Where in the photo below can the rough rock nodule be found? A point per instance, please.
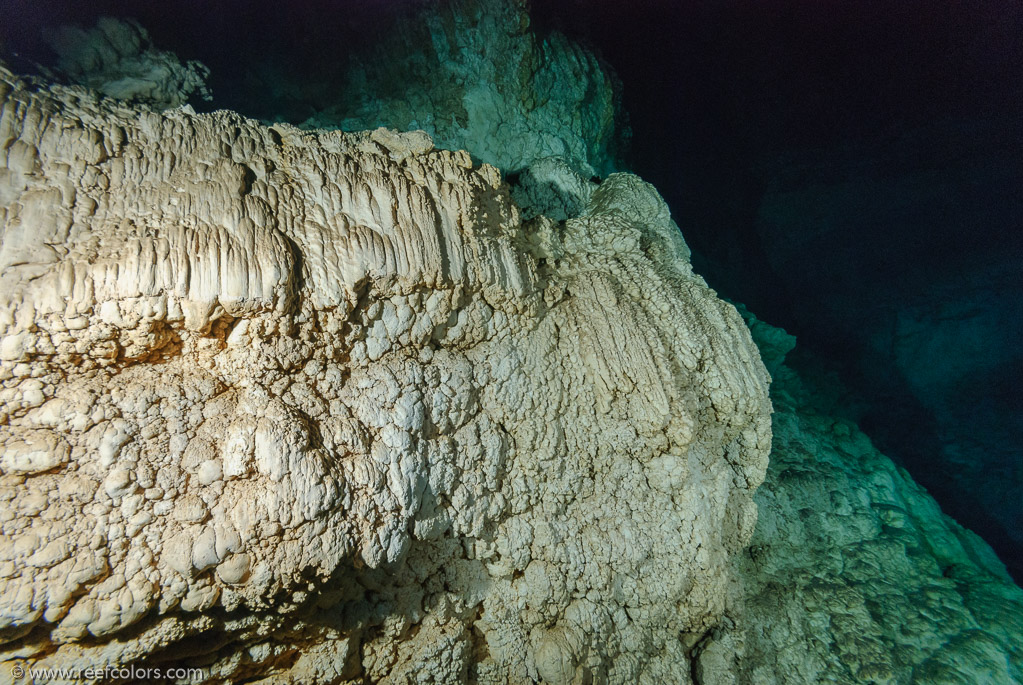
(322, 407)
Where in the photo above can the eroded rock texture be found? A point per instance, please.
(854, 575)
(117, 58)
(474, 75)
(323, 408)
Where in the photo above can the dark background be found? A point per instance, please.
(853, 172)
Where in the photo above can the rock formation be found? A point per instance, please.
(853, 574)
(117, 58)
(316, 407)
(475, 77)
(323, 408)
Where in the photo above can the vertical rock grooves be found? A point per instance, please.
(322, 407)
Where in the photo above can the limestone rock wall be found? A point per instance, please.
(475, 76)
(117, 58)
(854, 575)
(937, 329)
(320, 407)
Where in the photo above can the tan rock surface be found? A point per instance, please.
(322, 408)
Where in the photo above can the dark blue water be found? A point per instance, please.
(852, 172)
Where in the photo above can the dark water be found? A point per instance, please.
(247, 45)
(852, 171)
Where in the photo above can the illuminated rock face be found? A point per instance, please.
(323, 407)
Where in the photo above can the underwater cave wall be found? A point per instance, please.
(918, 294)
(310, 406)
